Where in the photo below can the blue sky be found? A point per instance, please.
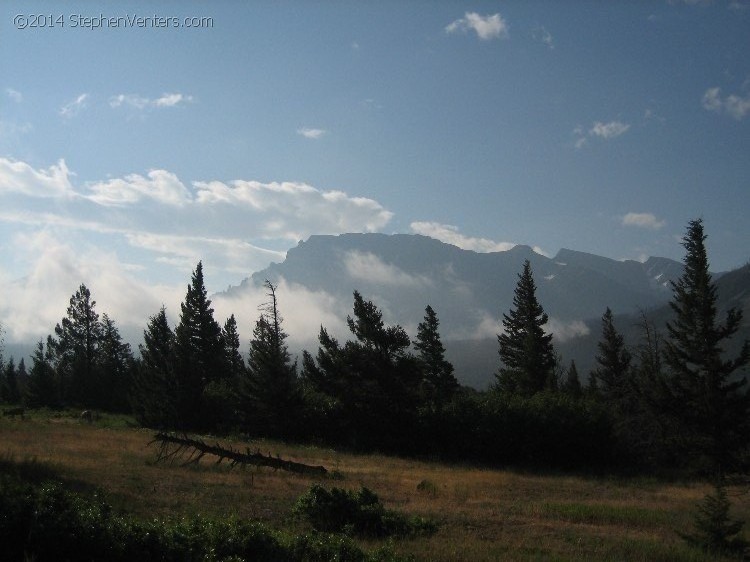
(130, 151)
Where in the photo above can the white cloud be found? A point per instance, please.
(643, 220)
(170, 100)
(161, 186)
(608, 130)
(712, 99)
(14, 95)
(736, 106)
(368, 267)
(599, 129)
(450, 235)
(74, 107)
(33, 304)
(140, 102)
(541, 34)
(128, 99)
(235, 228)
(564, 331)
(486, 27)
(295, 210)
(21, 178)
(311, 133)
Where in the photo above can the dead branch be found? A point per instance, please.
(173, 447)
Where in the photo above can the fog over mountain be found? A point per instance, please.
(470, 291)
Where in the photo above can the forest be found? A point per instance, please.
(674, 403)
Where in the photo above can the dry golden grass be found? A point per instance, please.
(483, 514)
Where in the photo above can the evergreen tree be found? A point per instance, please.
(715, 532)
(439, 383)
(77, 346)
(372, 382)
(709, 402)
(525, 350)
(154, 392)
(115, 365)
(572, 384)
(11, 392)
(231, 338)
(42, 388)
(613, 372)
(271, 393)
(199, 350)
(22, 377)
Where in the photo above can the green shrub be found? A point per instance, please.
(357, 513)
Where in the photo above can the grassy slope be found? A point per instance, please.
(484, 514)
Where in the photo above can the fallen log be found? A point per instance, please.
(173, 446)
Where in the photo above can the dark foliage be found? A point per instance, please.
(572, 383)
(42, 388)
(710, 405)
(613, 371)
(528, 358)
(76, 350)
(199, 352)
(358, 513)
(45, 521)
(715, 532)
(154, 389)
(271, 398)
(438, 382)
(367, 390)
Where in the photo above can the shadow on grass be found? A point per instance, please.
(30, 470)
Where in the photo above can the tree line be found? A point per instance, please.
(673, 401)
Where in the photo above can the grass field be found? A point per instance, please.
(483, 514)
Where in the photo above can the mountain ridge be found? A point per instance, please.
(403, 273)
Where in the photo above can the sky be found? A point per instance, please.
(137, 138)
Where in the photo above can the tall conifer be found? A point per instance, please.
(439, 383)
(709, 400)
(526, 351)
(613, 371)
(199, 350)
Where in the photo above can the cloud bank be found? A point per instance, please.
(135, 239)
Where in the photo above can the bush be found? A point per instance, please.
(357, 513)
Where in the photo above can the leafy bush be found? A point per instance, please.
(358, 513)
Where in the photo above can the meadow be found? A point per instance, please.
(483, 514)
